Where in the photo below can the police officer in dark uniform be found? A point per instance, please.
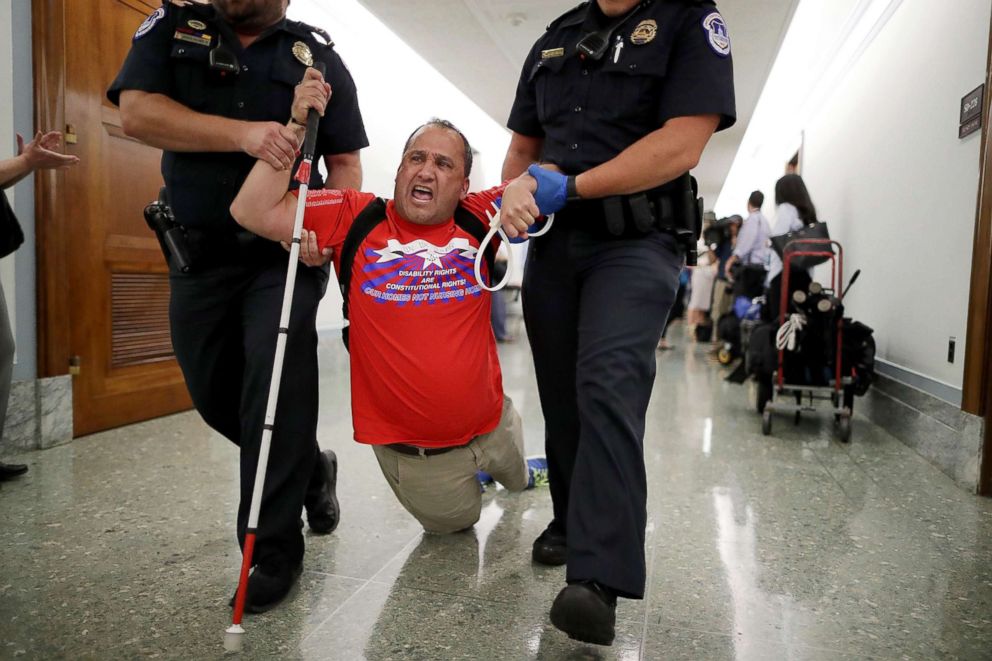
(618, 100)
(212, 85)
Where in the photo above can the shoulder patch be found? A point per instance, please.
(717, 33)
(311, 32)
(323, 35)
(149, 23)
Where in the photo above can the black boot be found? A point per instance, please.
(10, 471)
(586, 611)
(321, 501)
(550, 547)
(267, 587)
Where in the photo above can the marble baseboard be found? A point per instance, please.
(20, 430)
(940, 432)
(39, 415)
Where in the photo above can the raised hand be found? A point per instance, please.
(312, 92)
(41, 154)
(310, 254)
(518, 210)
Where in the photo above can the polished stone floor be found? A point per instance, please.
(793, 546)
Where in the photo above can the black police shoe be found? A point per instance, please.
(321, 501)
(267, 586)
(586, 611)
(10, 471)
(549, 547)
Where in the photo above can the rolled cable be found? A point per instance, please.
(787, 335)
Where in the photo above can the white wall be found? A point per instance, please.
(397, 92)
(7, 142)
(900, 187)
(884, 164)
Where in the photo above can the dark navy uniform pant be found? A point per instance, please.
(595, 309)
(225, 320)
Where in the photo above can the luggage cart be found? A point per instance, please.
(798, 398)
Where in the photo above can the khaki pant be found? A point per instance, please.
(723, 302)
(441, 491)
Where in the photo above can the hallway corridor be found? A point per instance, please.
(120, 545)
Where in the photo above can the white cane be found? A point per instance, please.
(233, 635)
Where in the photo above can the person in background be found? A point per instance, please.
(39, 154)
(723, 295)
(678, 308)
(793, 210)
(751, 248)
(701, 291)
(498, 315)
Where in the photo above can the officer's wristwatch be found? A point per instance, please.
(571, 193)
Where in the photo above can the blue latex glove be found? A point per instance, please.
(533, 228)
(551, 193)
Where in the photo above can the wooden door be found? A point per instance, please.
(103, 283)
(977, 395)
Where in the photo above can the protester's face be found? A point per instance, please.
(431, 178)
(617, 7)
(251, 15)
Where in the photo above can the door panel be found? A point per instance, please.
(114, 278)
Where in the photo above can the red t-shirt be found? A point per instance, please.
(424, 367)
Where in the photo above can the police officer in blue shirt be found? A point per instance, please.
(212, 86)
(616, 101)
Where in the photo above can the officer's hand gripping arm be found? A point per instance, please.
(263, 204)
(161, 122)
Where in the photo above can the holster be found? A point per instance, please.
(193, 248)
(171, 236)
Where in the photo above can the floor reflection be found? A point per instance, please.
(790, 546)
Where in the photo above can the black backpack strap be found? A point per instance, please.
(373, 214)
(478, 230)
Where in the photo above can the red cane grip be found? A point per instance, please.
(303, 173)
(313, 119)
(239, 599)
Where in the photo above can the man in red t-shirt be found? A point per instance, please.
(427, 389)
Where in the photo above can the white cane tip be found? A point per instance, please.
(233, 638)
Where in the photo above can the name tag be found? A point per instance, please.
(552, 52)
(199, 39)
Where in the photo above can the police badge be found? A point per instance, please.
(644, 33)
(302, 53)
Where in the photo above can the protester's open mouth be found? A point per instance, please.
(423, 194)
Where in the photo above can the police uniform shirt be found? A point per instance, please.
(170, 55)
(666, 59)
